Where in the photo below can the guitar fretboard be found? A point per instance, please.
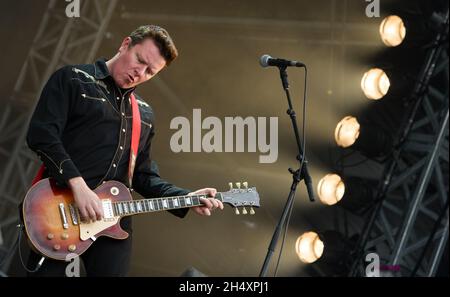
(124, 208)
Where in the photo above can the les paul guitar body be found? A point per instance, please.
(53, 225)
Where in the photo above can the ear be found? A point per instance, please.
(125, 44)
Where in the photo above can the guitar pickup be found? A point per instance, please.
(108, 212)
(62, 212)
(73, 214)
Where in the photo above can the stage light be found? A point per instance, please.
(331, 189)
(347, 131)
(410, 29)
(351, 193)
(330, 250)
(375, 83)
(369, 139)
(392, 30)
(309, 247)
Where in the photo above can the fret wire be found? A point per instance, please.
(114, 209)
(131, 203)
(139, 206)
(194, 199)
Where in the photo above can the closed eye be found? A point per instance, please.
(141, 61)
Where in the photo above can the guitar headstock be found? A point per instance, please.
(241, 196)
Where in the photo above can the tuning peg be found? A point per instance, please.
(238, 185)
(231, 186)
(236, 211)
(252, 211)
(244, 211)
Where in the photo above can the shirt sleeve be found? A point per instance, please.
(47, 125)
(148, 182)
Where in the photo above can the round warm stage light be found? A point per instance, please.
(331, 189)
(392, 30)
(309, 247)
(375, 84)
(347, 131)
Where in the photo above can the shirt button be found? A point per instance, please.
(114, 165)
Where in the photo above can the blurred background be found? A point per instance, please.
(389, 155)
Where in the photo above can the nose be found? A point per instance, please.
(139, 72)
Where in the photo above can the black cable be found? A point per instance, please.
(300, 170)
(38, 265)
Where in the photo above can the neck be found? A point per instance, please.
(111, 62)
(131, 207)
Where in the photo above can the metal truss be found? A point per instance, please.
(60, 40)
(409, 224)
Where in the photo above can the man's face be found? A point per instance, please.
(137, 64)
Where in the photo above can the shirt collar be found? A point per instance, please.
(101, 70)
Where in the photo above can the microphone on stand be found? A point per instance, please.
(267, 60)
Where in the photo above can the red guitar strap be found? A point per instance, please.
(39, 175)
(135, 136)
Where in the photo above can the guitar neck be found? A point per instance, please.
(132, 207)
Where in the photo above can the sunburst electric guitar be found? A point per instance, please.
(52, 221)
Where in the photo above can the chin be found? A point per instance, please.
(125, 85)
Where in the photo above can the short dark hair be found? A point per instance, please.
(161, 37)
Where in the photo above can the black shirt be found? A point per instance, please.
(82, 127)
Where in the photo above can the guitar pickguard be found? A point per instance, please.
(88, 230)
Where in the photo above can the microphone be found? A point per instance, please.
(267, 60)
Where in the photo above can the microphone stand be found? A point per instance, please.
(297, 175)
